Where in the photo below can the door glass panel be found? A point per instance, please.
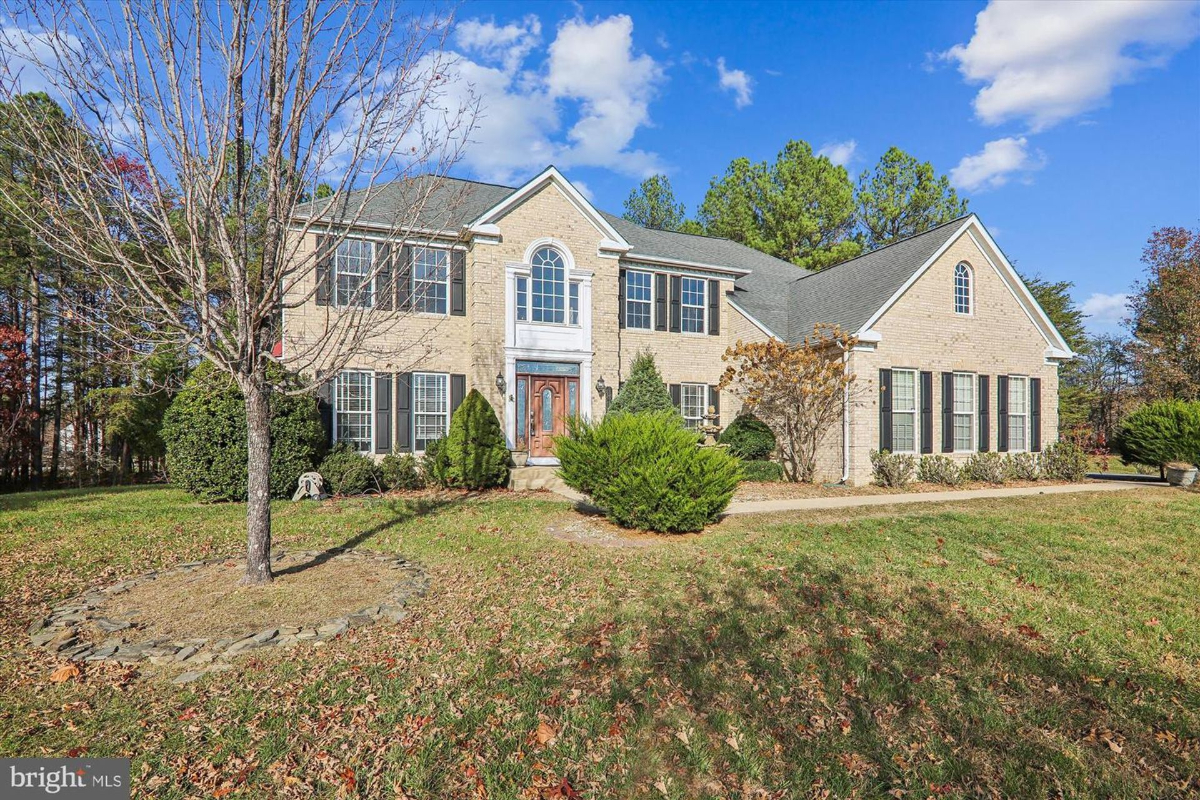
(547, 410)
(521, 414)
(572, 391)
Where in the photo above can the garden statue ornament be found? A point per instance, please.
(710, 428)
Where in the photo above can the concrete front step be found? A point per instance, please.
(533, 478)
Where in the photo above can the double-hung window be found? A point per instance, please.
(430, 280)
(639, 297)
(692, 298)
(353, 409)
(1018, 413)
(352, 270)
(431, 405)
(904, 411)
(964, 412)
(692, 403)
(574, 298)
(548, 275)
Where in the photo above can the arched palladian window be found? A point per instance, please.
(549, 278)
(962, 289)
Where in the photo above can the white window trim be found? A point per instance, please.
(368, 278)
(1024, 379)
(650, 315)
(916, 411)
(413, 414)
(970, 312)
(370, 406)
(412, 278)
(704, 404)
(974, 412)
(703, 306)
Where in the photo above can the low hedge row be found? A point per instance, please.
(1062, 461)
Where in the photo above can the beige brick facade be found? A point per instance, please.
(920, 331)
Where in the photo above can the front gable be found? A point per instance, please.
(1001, 309)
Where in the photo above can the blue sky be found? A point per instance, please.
(1073, 129)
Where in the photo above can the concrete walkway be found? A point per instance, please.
(853, 501)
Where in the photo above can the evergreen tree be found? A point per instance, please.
(903, 197)
(652, 205)
(645, 390)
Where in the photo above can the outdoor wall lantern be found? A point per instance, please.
(500, 383)
(600, 386)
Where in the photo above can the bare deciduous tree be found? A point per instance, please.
(187, 182)
(798, 391)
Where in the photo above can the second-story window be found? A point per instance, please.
(352, 267)
(431, 280)
(638, 298)
(549, 278)
(522, 298)
(692, 319)
(574, 318)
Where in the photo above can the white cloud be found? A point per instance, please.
(736, 81)
(1048, 61)
(584, 189)
(590, 73)
(996, 163)
(1106, 309)
(839, 153)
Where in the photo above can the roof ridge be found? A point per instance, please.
(890, 244)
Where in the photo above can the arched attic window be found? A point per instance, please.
(963, 289)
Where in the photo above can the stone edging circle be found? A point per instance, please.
(58, 632)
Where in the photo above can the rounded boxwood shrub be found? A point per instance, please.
(205, 434)
(644, 390)
(347, 472)
(762, 471)
(646, 471)
(474, 452)
(985, 468)
(892, 469)
(1159, 433)
(749, 438)
(1064, 461)
(938, 469)
(401, 472)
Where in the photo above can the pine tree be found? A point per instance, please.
(645, 390)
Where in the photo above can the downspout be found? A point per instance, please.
(845, 421)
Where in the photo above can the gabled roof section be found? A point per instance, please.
(445, 204)
(551, 176)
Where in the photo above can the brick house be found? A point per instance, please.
(541, 302)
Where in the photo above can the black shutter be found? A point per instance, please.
(383, 412)
(885, 410)
(325, 408)
(926, 412)
(385, 291)
(621, 299)
(458, 283)
(947, 412)
(403, 272)
(676, 303)
(404, 429)
(660, 302)
(673, 388)
(458, 390)
(1002, 413)
(1035, 414)
(714, 308)
(985, 417)
(324, 270)
(714, 400)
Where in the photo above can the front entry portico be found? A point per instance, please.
(546, 394)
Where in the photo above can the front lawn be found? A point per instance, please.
(1025, 647)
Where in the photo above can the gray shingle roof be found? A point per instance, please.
(785, 298)
(851, 292)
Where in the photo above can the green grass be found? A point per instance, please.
(1030, 647)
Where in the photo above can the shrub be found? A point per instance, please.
(474, 453)
(347, 472)
(892, 469)
(436, 462)
(1022, 467)
(939, 469)
(1064, 461)
(749, 438)
(762, 471)
(401, 472)
(205, 434)
(1160, 432)
(644, 391)
(984, 468)
(646, 471)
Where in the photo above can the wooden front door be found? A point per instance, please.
(547, 410)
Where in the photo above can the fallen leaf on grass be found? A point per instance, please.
(545, 733)
(1029, 631)
(64, 673)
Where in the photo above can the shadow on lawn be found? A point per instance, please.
(837, 681)
(402, 511)
(32, 499)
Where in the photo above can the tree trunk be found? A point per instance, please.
(258, 464)
(35, 378)
(56, 447)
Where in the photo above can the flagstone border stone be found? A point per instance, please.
(58, 632)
